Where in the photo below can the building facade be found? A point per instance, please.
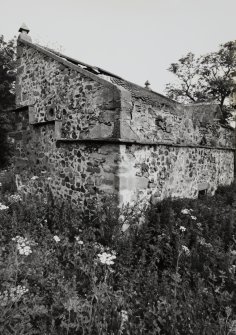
(87, 133)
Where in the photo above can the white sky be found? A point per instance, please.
(136, 39)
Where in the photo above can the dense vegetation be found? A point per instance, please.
(61, 273)
(7, 95)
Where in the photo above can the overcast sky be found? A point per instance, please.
(136, 39)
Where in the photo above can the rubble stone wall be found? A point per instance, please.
(77, 172)
(84, 137)
(157, 172)
(83, 107)
(173, 123)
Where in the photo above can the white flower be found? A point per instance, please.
(14, 198)
(15, 293)
(23, 245)
(34, 177)
(99, 246)
(233, 252)
(56, 238)
(124, 316)
(2, 207)
(185, 211)
(107, 258)
(186, 250)
(49, 178)
(182, 228)
(78, 240)
(193, 217)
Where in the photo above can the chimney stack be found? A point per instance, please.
(24, 30)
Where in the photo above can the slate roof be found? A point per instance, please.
(139, 92)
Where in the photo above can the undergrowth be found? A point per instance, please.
(172, 271)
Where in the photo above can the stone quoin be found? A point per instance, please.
(87, 133)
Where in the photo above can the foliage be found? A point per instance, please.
(63, 272)
(7, 72)
(208, 78)
(7, 94)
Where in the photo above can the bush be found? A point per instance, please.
(63, 273)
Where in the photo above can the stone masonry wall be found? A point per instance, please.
(85, 137)
(82, 106)
(65, 106)
(158, 172)
(75, 172)
(174, 123)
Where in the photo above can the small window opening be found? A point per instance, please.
(51, 112)
(202, 193)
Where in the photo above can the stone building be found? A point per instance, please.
(86, 133)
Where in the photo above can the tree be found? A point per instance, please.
(208, 78)
(7, 94)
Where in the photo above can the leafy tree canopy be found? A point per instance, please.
(207, 78)
(7, 93)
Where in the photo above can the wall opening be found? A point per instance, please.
(202, 194)
(202, 189)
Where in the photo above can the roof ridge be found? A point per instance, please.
(99, 71)
(96, 73)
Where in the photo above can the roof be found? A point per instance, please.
(147, 95)
(138, 92)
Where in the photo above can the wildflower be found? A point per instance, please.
(14, 198)
(193, 217)
(12, 295)
(23, 245)
(233, 252)
(16, 293)
(182, 228)
(2, 207)
(203, 242)
(78, 240)
(56, 238)
(99, 246)
(124, 316)
(185, 211)
(186, 250)
(49, 178)
(199, 225)
(107, 258)
(34, 177)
